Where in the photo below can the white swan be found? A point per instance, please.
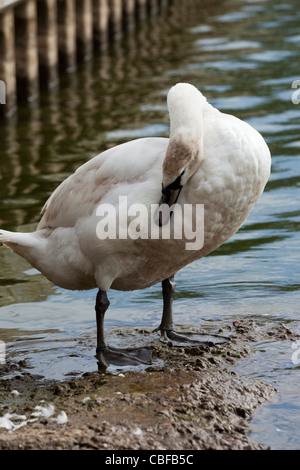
(211, 158)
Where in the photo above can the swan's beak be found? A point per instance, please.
(168, 199)
(170, 196)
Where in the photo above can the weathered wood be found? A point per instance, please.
(66, 24)
(152, 6)
(162, 3)
(140, 8)
(27, 67)
(47, 42)
(100, 23)
(128, 14)
(115, 19)
(5, 4)
(39, 36)
(84, 28)
(7, 64)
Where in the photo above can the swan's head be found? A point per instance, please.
(183, 156)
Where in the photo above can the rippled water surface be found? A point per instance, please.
(244, 56)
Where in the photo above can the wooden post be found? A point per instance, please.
(7, 64)
(47, 42)
(152, 6)
(66, 25)
(100, 23)
(128, 14)
(115, 18)
(162, 3)
(84, 25)
(141, 8)
(26, 50)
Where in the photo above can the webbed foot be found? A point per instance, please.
(172, 338)
(123, 357)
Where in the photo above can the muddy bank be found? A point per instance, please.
(191, 398)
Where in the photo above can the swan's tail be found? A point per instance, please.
(11, 239)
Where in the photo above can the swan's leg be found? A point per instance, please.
(106, 355)
(166, 325)
(168, 335)
(102, 304)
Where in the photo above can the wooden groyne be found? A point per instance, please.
(39, 39)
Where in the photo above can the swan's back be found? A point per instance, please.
(80, 194)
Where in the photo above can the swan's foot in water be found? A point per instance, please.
(123, 357)
(172, 338)
(169, 336)
(119, 357)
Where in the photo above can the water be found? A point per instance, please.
(244, 56)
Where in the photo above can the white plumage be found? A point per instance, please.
(224, 164)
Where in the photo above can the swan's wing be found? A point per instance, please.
(79, 195)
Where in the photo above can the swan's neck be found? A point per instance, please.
(186, 116)
(186, 106)
(186, 123)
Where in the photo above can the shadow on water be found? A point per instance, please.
(244, 56)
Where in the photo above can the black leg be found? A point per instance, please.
(107, 355)
(102, 304)
(166, 326)
(168, 288)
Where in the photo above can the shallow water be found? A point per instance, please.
(244, 56)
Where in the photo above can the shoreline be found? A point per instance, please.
(189, 399)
